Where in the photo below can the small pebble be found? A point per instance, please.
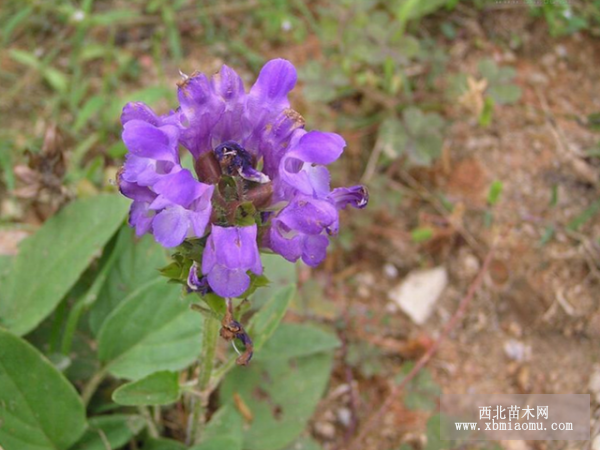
(344, 416)
(325, 429)
(390, 270)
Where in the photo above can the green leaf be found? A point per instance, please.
(505, 74)
(244, 215)
(56, 79)
(153, 329)
(421, 234)
(427, 147)
(547, 236)
(421, 8)
(224, 431)
(423, 141)
(434, 441)
(393, 137)
(505, 94)
(5, 264)
(50, 262)
(494, 192)
(415, 121)
(39, 408)
(488, 69)
(159, 388)
(586, 215)
(422, 391)
(281, 394)
(593, 121)
(281, 274)
(110, 432)
(139, 262)
(163, 444)
(264, 323)
(485, 119)
(292, 340)
(13, 23)
(25, 58)
(87, 111)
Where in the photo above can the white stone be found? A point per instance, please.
(390, 270)
(417, 294)
(517, 351)
(344, 416)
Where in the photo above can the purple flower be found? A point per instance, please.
(303, 166)
(302, 228)
(261, 178)
(355, 196)
(175, 207)
(196, 282)
(229, 254)
(184, 206)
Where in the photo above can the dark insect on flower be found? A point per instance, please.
(231, 329)
(235, 160)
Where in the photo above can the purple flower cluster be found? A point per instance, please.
(261, 179)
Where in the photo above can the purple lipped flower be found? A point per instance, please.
(261, 178)
(302, 229)
(229, 254)
(183, 208)
(355, 196)
(140, 214)
(303, 167)
(152, 142)
(171, 204)
(197, 282)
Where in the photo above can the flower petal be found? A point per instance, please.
(139, 111)
(297, 167)
(236, 246)
(228, 283)
(319, 148)
(228, 84)
(136, 192)
(140, 217)
(355, 196)
(202, 109)
(314, 250)
(170, 226)
(277, 137)
(308, 216)
(290, 249)
(147, 141)
(209, 257)
(180, 188)
(200, 220)
(230, 252)
(275, 80)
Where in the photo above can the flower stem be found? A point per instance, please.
(209, 347)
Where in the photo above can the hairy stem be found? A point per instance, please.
(209, 346)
